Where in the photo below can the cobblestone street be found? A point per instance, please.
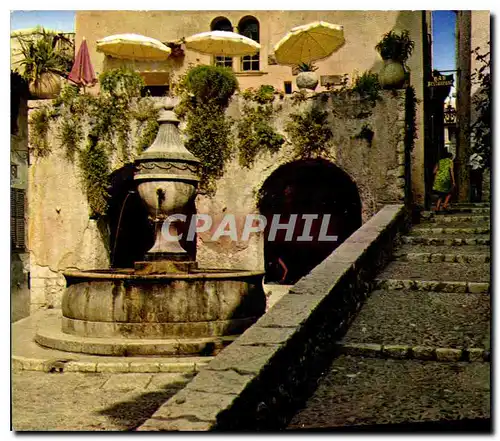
(86, 402)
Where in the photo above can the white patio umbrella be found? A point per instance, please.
(310, 42)
(133, 47)
(224, 43)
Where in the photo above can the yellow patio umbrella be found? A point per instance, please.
(224, 43)
(133, 47)
(310, 42)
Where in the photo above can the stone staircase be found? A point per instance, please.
(417, 356)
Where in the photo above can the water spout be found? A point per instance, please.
(161, 197)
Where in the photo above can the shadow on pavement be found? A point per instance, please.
(131, 414)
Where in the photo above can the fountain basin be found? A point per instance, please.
(202, 303)
(116, 312)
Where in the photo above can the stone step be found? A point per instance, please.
(414, 318)
(457, 210)
(472, 204)
(429, 253)
(370, 392)
(432, 230)
(459, 218)
(446, 239)
(413, 352)
(432, 285)
(443, 272)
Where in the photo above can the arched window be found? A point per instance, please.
(222, 24)
(249, 27)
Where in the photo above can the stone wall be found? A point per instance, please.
(258, 382)
(19, 263)
(377, 169)
(362, 31)
(61, 235)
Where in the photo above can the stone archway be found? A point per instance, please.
(306, 187)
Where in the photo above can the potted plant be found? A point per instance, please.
(307, 78)
(395, 49)
(44, 63)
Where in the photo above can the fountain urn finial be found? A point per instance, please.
(167, 177)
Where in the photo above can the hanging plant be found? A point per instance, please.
(309, 133)
(39, 124)
(255, 132)
(95, 168)
(205, 93)
(368, 86)
(110, 116)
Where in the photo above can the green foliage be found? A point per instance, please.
(397, 47)
(255, 132)
(410, 118)
(123, 82)
(299, 97)
(307, 67)
(368, 86)
(211, 84)
(309, 133)
(110, 116)
(39, 124)
(44, 53)
(146, 116)
(94, 164)
(209, 139)
(481, 127)
(205, 92)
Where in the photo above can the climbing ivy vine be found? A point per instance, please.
(309, 132)
(255, 131)
(205, 93)
(107, 119)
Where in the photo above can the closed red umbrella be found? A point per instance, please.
(82, 72)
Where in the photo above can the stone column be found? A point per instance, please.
(463, 104)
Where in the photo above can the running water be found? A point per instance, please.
(118, 226)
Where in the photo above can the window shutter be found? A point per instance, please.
(17, 209)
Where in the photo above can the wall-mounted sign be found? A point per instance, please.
(440, 81)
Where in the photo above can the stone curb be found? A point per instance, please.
(451, 219)
(444, 257)
(433, 286)
(475, 210)
(446, 230)
(425, 240)
(255, 382)
(20, 363)
(406, 352)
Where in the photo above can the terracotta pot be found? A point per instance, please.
(307, 80)
(47, 87)
(392, 75)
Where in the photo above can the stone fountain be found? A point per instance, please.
(165, 305)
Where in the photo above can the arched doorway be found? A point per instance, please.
(314, 187)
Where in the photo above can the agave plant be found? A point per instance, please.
(42, 54)
(307, 67)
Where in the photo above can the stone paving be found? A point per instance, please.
(87, 402)
(384, 380)
(61, 391)
(417, 354)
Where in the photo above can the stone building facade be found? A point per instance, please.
(63, 237)
(362, 30)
